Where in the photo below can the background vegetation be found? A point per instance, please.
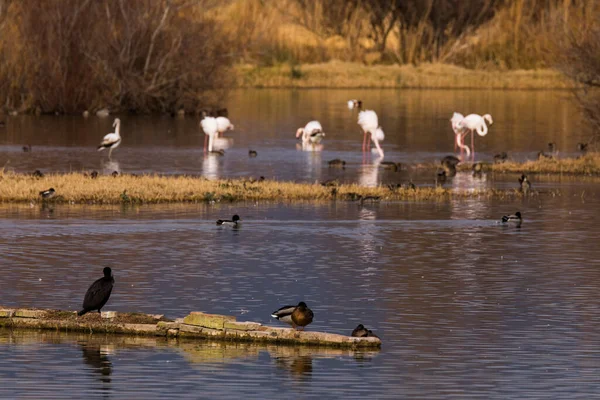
(162, 55)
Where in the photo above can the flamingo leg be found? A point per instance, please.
(109, 153)
(472, 147)
(364, 141)
(205, 142)
(369, 142)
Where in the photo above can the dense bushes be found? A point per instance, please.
(142, 55)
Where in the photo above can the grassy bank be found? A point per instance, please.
(337, 74)
(75, 188)
(585, 165)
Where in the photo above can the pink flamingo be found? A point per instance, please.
(369, 124)
(474, 123)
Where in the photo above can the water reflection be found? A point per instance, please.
(369, 173)
(299, 367)
(96, 357)
(210, 166)
(109, 167)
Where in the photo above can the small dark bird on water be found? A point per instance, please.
(525, 184)
(500, 158)
(48, 194)
(361, 331)
(98, 293)
(582, 147)
(515, 218)
(391, 165)
(252, 153)
(27, 149)
(233, 221)
(299, 315)
(336, 163)
(477, 169)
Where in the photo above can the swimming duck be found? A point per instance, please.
(361, 331)
(299, 315)
(98, 293)
(27, 149)
(477, 169)
(336, 163)
(233, 221)
(48, 194)
(515, 218)
(391, 165)
(583, 147)
(525, 184)
(252, 153)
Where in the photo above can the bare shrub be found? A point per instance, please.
(577, 55)
(143, 55)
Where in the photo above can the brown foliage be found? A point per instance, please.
(143, 55)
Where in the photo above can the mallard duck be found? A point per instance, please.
(48, 194)
(98, 293)
(115, 174)
(27, 149)
(233, 221)
(515, 218)
(299, 315)
(38, 174)
(336, 163)
(252, 153)
(361, 331)
(94, 174)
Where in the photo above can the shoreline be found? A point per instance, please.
(346, 75)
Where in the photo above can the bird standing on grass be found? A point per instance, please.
(98, 293)
(299, 315)
(112, 140)
(48, 194)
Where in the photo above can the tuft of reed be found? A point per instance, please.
(588, 164)
(74, 188)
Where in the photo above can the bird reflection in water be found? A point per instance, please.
(299, 367)
(96, 358)
(369, 174)
(210, 166)
(110, 167)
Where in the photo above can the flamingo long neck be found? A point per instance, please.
(118, 128)
(482, 129)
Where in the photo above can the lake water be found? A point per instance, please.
(466, 308)
(416, 123)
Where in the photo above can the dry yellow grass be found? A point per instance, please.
(585, 165)
(75, 188)
(337, 74)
